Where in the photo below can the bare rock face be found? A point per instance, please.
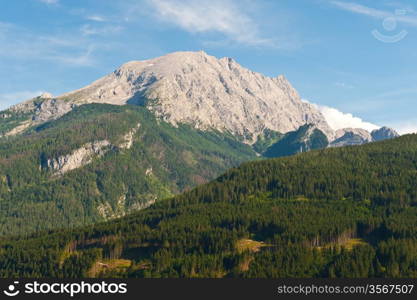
(351, 136)
(364, 134)
(41, 109)
(78, 158)
(46, 95)
(202, 91)
(86, 153)
(384, 133)
(206, 92)
(29, 106)
(51, 109)
(128, 138)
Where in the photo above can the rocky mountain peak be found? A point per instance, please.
(46, 95)
(207, 93)
(362, 133)
(384, 133)
(358, 136)
(350, 137)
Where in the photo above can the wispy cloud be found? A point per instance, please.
(407, 17)
(8, 99)
(360, 9)
(20, 43)
(83, 58)
(397, 92)
(224, 17)
(96, 18)
(88, 29)
(49, 1)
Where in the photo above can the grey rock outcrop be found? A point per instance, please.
(78, 157)
(384, 133)
(40, 109)
(87, 152)
(51, 109)
(350, 137)
(127, 142)
(357, 136)
(46, 95)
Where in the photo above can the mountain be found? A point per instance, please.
(384, 133)
(190, 88)
(266, 140)
(102, 161)
(351, 137)
(306, 138)
(357, 136)
(338, 212)
(147, 131)
(196, 89)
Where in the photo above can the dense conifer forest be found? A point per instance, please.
(163, 160)
(346, 212)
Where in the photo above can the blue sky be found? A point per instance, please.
(357, 57)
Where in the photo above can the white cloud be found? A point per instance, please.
(96, 18)
(407, 16)
(87, 30)
(406, 127)
(360, 9)
(8, 99)
(20, 43)
(81, 59)
(224, 17)
(339, 120)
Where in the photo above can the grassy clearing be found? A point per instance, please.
(108, 265)
(351, 243)
(249, 245)
(348, 244)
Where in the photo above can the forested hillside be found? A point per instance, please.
(304, 139)
(102, 161)
(346, 212)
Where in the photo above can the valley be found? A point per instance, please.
(191, 166)
(251, 223)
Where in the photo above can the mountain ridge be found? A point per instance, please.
(191, 88)
(196, 89)
(206, 92)
(101, 161)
